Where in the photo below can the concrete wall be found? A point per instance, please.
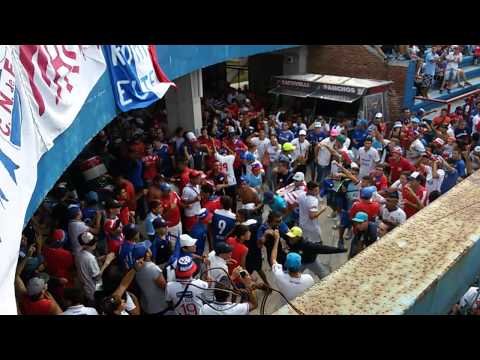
(359, 61)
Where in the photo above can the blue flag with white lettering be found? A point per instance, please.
(137, 79)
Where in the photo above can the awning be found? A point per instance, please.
(345, 98)
(290, 92)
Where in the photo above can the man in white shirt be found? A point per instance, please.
(416, 147)
(309, 213)
(368, 157)
(191, 198)
(74, 300)
(185, 294)
(300, 154)
(323, 156)
(219, 258)
(435, 176)
(76, 227)
(227, 165)
(390, 213)
(261, 142)
(221, 304)
(291, 283)
(89, 273)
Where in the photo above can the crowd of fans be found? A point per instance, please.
(147, 222)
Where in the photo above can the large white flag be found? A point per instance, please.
(42, 89)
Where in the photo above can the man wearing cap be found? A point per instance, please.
(255, 177)
(185, 293)
(287, 152)
(300, 154)
(365, 233)
(398, 164)
(150, 280)
(323, 156)
(417, 148)
(170, 210)
(155, 210)
(35, 298)
(435, 174)
(200, 230)
(414, 194)
(113, 226)
(191, 199)
(219, 258)
(76, 227)
(163, 242)
(283, 172)
(89, 273)
(293, 191)
(309, 212)
(276, 202)
(59, 261)
(291, 283)
(366, 204)
(309, 250)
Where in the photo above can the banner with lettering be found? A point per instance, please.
(42, 89)
(137, 79)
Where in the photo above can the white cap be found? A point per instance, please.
(191, 136)
(249, 206)
(353, 165)
(299, 176)
(249, 222)
(477, 149)
(397, 124)
(379, 115)
(317, 125)
(187, 240)
(302, 132)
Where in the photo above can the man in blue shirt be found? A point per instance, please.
(459, 164)
(285, 135)
(223, 221)
(431, 59)
(200, 230)
(359, 134)
(451, 176)
(161, 245)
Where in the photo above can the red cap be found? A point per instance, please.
(195, 173)
(58, 235)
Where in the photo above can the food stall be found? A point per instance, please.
(328, 95)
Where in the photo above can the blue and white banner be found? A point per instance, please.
(42, 89)
(136, 76)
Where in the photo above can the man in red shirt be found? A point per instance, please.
(379, 177)
(443, 119)
(209, 200)
(121, 182)
(414, 194)
(398, 164)
(241, 234)
(235, 145)
(206, 142)
(170, 212)
(59, 262)
(365, 204)
(113, 226)
(150, 162)
(184, 173)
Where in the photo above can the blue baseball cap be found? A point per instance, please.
(165, 187)
(268, 197)
(415, 120)
(367, 193)
(249, 156)
(293, 261)
(91, 197)
(140, 249)
(243, 178)
(159, 223)
(73, 210)
(360, 217)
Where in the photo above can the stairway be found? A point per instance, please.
(472, 73)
